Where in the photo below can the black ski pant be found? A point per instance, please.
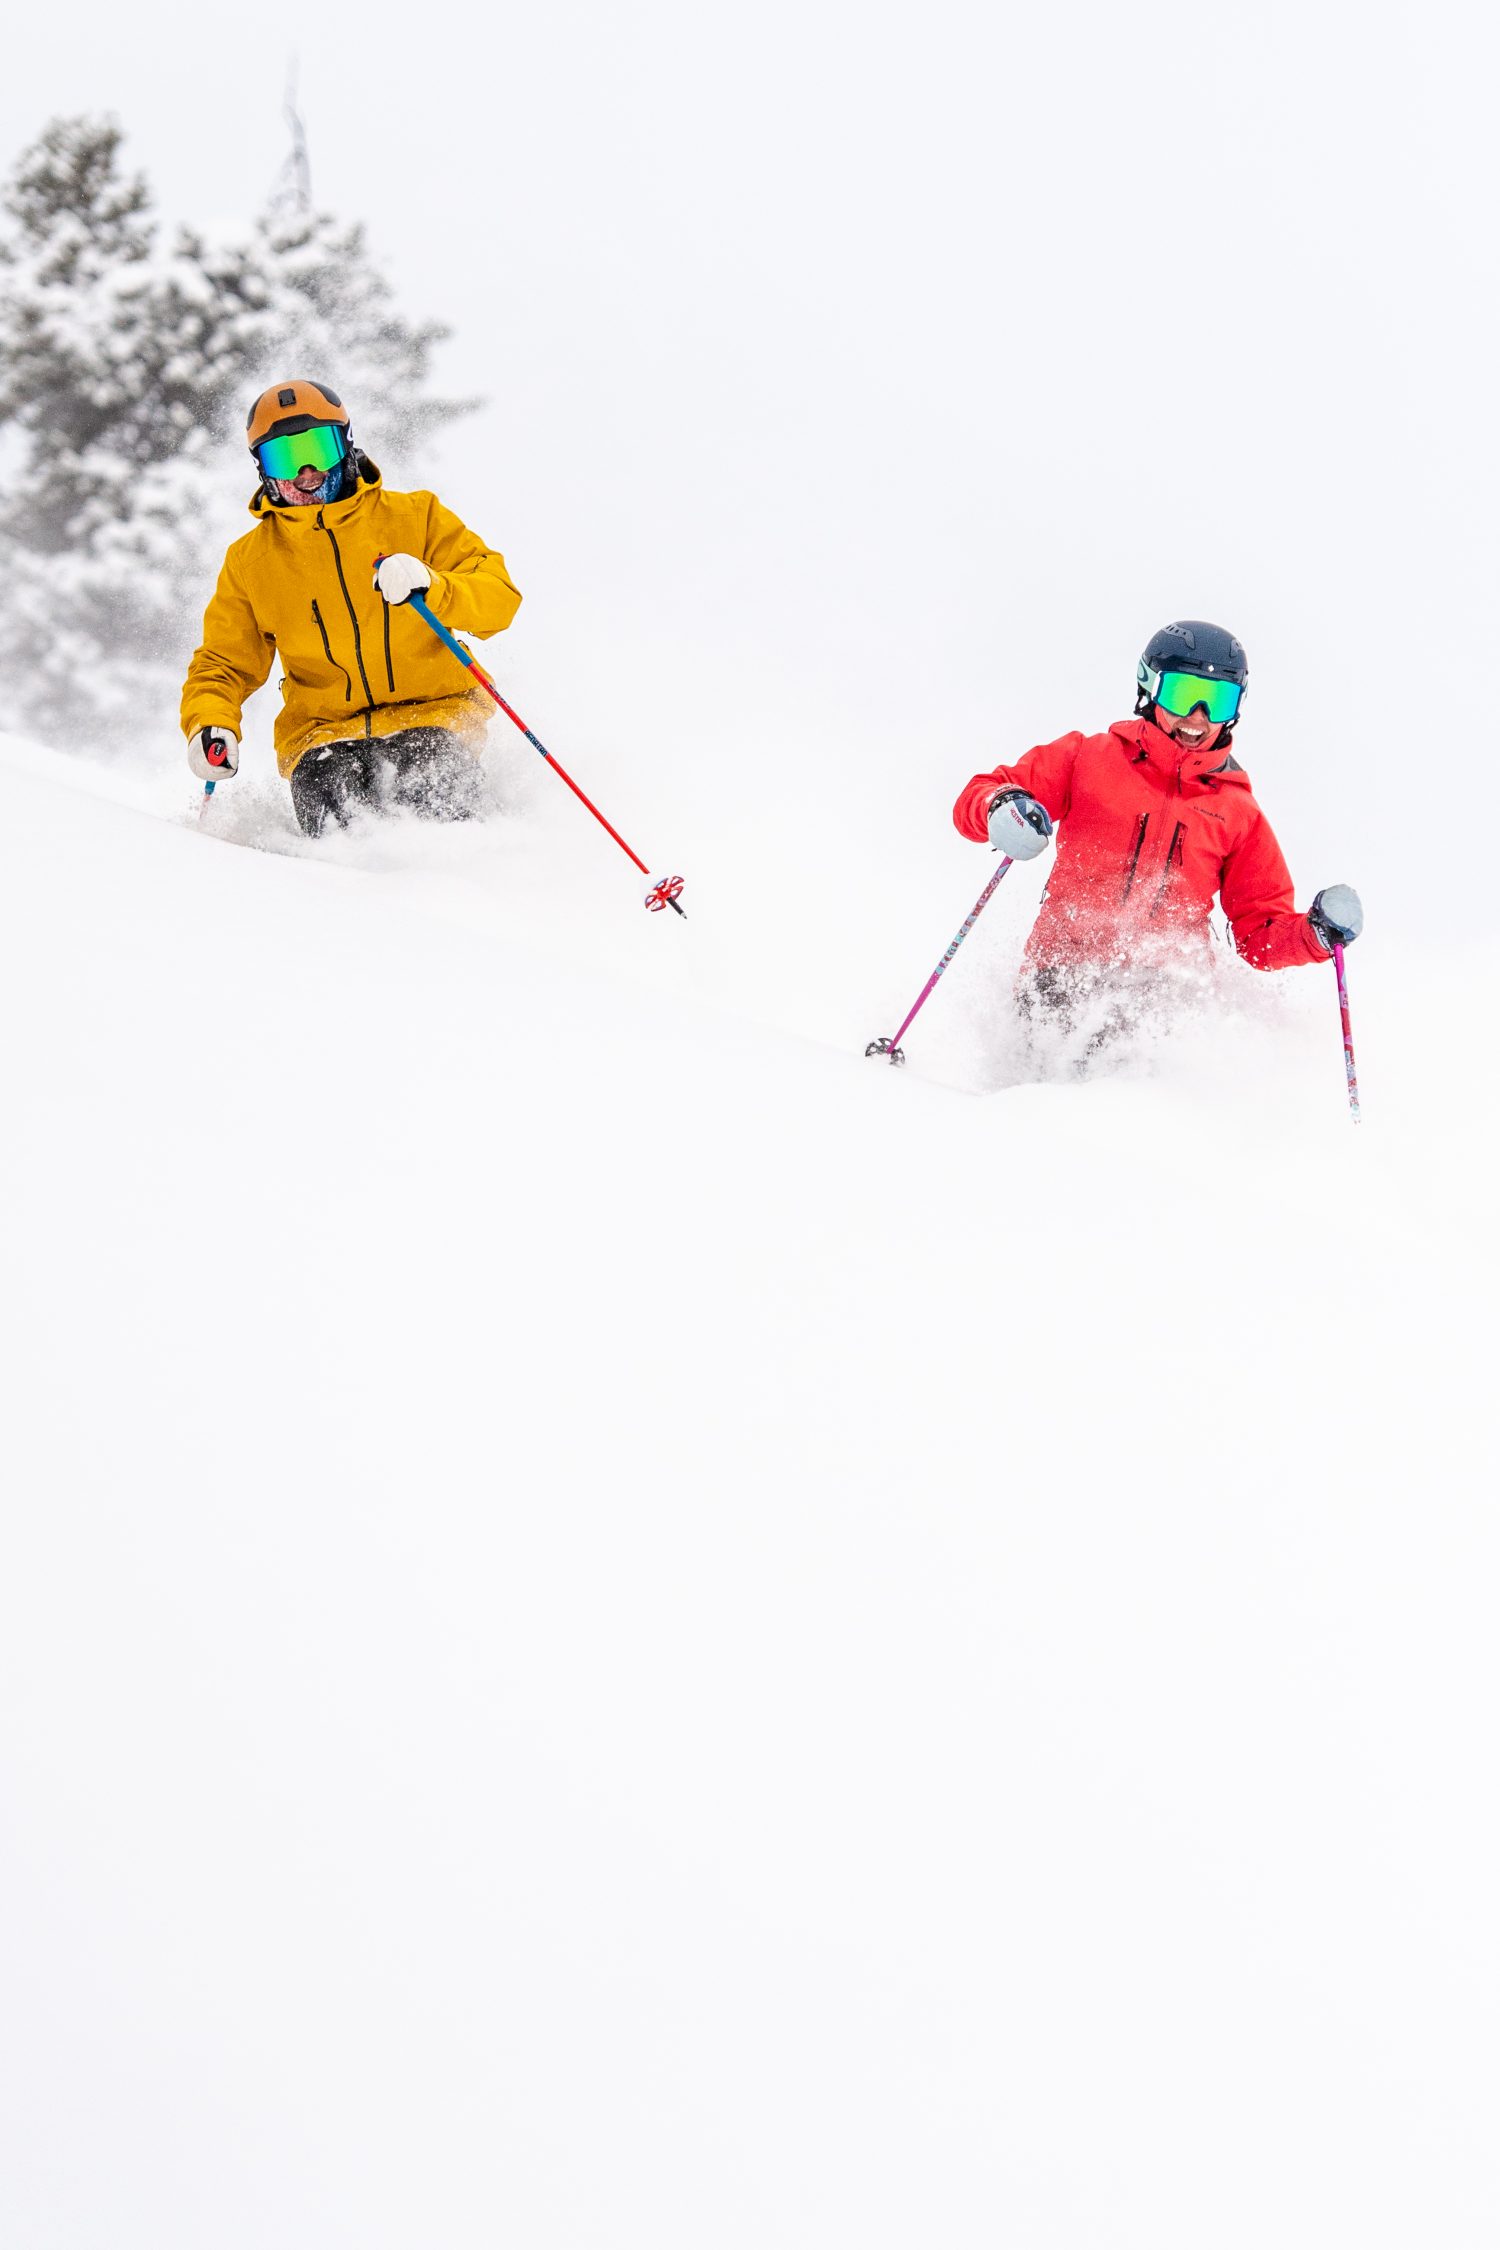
(424, 770)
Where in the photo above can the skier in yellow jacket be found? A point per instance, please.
(375, 709)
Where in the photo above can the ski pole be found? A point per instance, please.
(1338, 963)
(892, 1047)
(662, 891)
(214, 754)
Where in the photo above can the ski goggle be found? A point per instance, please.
(322, 447)
(1182, 692)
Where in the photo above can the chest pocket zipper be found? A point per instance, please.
(1135, 857)
(328, 652)
(359, 654)
(1174, 859)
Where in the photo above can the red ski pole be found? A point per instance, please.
(1338, 963)
(665, 890)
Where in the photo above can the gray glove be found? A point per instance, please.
(1336, 916)
(1019, 826)
(213, 753)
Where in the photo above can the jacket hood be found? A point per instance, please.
(331, 511)
(1207, 770)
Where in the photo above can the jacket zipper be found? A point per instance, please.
(390, 677)
(1135, 857)
(328, 652)
(359, 654)
(1172, 854)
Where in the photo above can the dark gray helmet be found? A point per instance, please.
(1191, 646)
(1195, 647)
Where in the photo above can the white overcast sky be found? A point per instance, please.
(866, 383)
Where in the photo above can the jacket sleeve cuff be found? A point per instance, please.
(971, 815)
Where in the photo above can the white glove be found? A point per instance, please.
(400, 576)
(1018, 825)
(213, 753)
(1336, 916)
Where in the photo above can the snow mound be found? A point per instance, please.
(620, 1625)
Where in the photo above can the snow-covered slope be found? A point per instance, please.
(619, 1626)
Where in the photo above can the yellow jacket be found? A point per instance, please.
(301, 585)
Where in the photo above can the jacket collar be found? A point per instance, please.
(1194, 771)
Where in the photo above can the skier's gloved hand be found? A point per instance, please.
(213, 753)
(1019, 826)
(1336, 916)
(400, 576)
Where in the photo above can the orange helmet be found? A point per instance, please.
(288, 407)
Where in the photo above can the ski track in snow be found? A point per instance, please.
(620, 1625)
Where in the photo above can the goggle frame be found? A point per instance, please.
(321, 446)
(1180, 694)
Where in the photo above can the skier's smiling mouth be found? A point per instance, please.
(1192, 733)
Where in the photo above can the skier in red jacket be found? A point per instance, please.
(1156, 818)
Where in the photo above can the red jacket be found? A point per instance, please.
(1148, 834)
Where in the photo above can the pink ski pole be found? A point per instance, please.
(1338, 963)
(892, 1047)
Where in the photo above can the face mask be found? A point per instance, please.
(329, 489)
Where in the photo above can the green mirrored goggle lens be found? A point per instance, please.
(321, 447)
(1182, 692)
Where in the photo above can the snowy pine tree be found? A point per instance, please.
(335, 319)
(118, 363)
(126, 369)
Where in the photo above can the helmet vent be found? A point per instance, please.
(286, 398)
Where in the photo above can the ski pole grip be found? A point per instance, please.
(415, 601)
